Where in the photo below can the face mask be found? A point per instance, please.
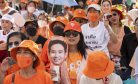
(31, 9)
(93, 17)
(58, 31)
(31, 31)
(23, 61)
(41, 23)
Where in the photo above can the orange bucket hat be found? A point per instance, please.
(119, 12)
(79, 13)
(98, 65)
(73, 25)
(60, 19)
(29, 44)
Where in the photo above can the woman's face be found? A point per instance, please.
(106, 7)
(72, 38)
(57, 54)
(25, 58)
(114, 19)
(2, 4)
(14, 41)
(6, 25)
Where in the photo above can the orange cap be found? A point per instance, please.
(98, 65)
(79, 13)
(60, 19)
(29, 44)
(73, 25)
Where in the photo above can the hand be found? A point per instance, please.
(3, 46)
(53, 73)
(106, 22)
(4, 66)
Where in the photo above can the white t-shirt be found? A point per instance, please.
(4, 37)
(18, 19)
(113, 79)
(96, 38)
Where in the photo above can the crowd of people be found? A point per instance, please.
(92, 43)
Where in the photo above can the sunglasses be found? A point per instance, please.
(74, 33)
(16, 43)
(109, 16)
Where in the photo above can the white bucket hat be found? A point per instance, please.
(8, 17)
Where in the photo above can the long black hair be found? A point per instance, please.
(82, 46)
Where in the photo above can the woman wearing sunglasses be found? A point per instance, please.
(119, 30)
(9, 65)
(77, 50)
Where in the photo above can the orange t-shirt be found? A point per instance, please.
(44, 56)
(40, 77)
(15, 68)
(73, 63)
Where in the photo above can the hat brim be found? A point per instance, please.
(119, 12)
(52, 24)
(31, 22)
(13, 51)
(97, 75)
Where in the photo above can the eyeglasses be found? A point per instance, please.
(109, 16)
(16, 43)
(74, 33)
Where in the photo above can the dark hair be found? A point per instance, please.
(53, 42)
(106, 1)
(20, 8)
(36, 62)
(35, 4)
(34, 23)
(82, 46)
(21, 35)
(136, 20)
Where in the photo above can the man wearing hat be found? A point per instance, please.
(57, 26)
(99, 70)
(31, 28)
(79, 15)
(18, 18)
(96, 33)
